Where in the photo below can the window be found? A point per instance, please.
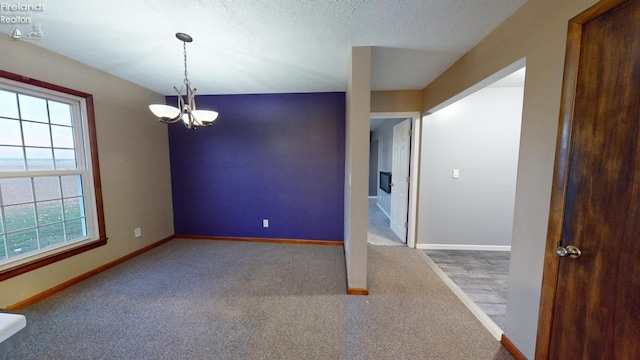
(50, 201)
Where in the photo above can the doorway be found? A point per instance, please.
(393, 157)
(467, 192)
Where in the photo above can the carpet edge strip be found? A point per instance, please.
(484, 319)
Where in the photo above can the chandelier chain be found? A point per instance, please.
(186, 74)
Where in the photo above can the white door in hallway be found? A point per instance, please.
(399, 178)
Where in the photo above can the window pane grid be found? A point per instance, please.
(39, 147)
(36, 122)
(51, 132)
(49, 204)
(41, 237)
(45, 130)
(41, 226)
(54, 213)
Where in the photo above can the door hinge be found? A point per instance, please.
(410, 132)
(408, 178)
(406, 224)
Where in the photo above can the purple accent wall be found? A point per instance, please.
(270, 156)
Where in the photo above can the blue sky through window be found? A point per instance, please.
(35, 133)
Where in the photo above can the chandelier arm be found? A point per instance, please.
(187, 104)
(192, 108)
(180, 107)
(180, 99)
(186, 113)
(170, 121)
(192, 100)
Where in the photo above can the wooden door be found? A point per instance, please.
(400, 178)
(590, 306)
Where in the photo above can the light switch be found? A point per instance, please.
(456, 173)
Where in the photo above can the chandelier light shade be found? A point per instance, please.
(186, 110)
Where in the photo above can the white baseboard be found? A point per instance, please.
(384, 212)
(466, 300)
(463, 247)
(373, 197)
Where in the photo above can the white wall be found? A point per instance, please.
(479, 135)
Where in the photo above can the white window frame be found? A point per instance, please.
(86, 155)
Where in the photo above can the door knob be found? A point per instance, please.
(570, 251)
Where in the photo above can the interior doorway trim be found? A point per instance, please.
(414, 168)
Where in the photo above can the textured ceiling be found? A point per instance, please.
(266, 46)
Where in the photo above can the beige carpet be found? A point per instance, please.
(194, 299)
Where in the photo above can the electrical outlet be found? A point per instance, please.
(265, 223)
(137, 232)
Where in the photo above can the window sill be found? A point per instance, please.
(44, 261)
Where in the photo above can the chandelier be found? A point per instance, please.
(186, 111)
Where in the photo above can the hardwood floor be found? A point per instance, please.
(482, 275)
